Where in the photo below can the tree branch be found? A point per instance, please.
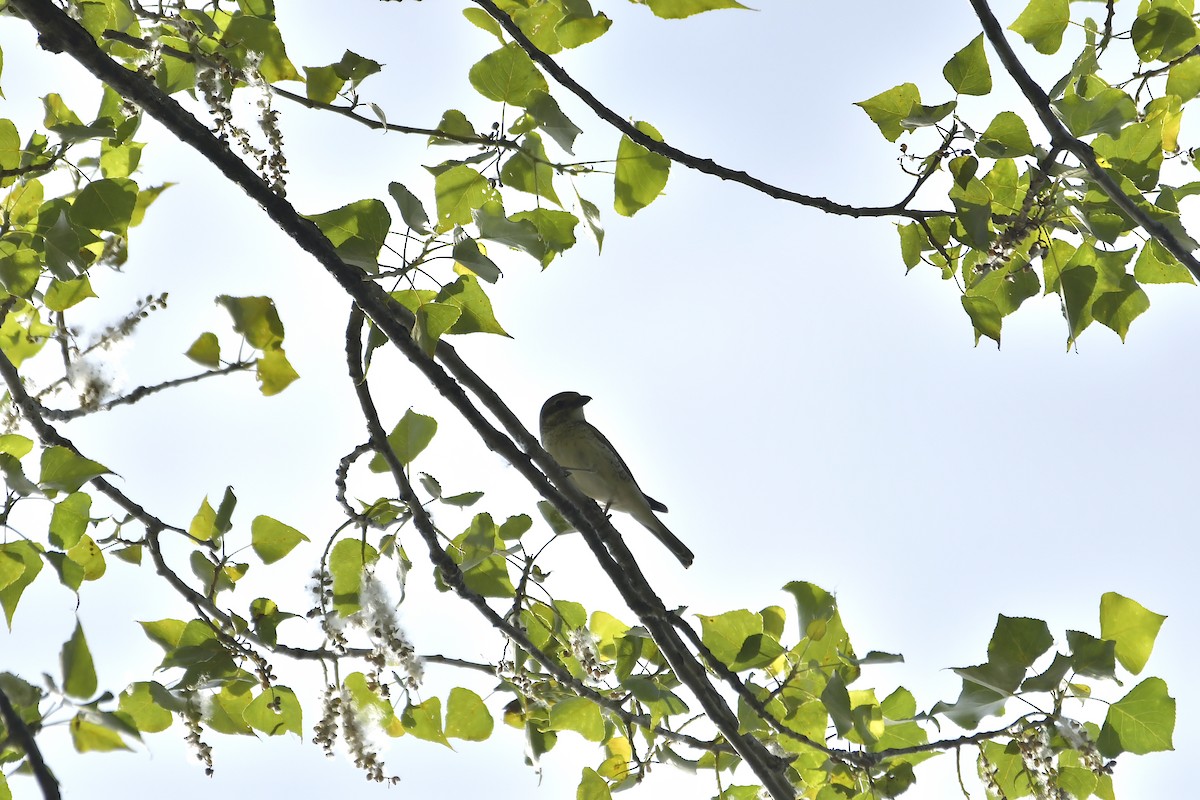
(142, 392)
(705, 165)
(1061, 138)
(19, 732)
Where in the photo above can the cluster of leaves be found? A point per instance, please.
(1018, 204)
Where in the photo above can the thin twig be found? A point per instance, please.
(19, 732)
(142, 392)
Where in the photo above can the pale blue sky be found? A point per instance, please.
(807, 410)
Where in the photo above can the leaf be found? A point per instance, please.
(967, 71)
(456, 124)
(458, 191)
(322, 84)
(1090, 105)
(1155, 264)
(275, 711)
(551, 119)
(1117, 310)
(411, 210)
(424, 721)
(138, 701)
(641, 175)
(357, 231)
(529, 170)
(61, 295)
(737, 639)
(412, 434)
(476, 316)
(69, 520)
(1132, 626)
(1140, 722)
(261, 36)
(507, 75)
(482, 20)
(256, 318)
(274, 372)
(88, 737)
(594, 787)
(467, 717)
(580, 715)
(1164, 30)
(1043, 23)
(347, 560)
(203, 526)
(1018, 641)
(65, 470)
(29, 556)
(889, 109)
(679, 9)
(206, 350)
(1183, 80)
(272, 540)
(79, 673)
(105, 205)
(1005, 137)
(469, 254)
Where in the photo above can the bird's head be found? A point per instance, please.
(564, 406)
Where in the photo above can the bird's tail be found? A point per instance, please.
(664, 535)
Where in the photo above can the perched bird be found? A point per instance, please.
(598, 469)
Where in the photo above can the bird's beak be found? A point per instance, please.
(583, 400)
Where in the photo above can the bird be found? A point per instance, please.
(598, 470)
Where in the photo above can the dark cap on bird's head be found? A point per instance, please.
(563, 402)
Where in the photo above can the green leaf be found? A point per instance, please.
(1155, 264)
(556, 229)
(322, 84)
(641, 175)
(1018, 641)
(356, 231)
(20, 268)
(119, 161)
(594, 787)
(1117, 310)
(355, 68)
(88, 737)
(61, 295)
(105, 205)
(139, 702)
(1043, 23)
(467, 717)
(1136, 152)
(1140, 722)
(1078, 287)
(29, 557)
(69, 520)
(424, 721)
(455, 123)
(551, 119)
(411, 210)
(272, 540)
(203, 526)
(347, 560)
(65, 470)
(469, 254)
(1164, 30)
(1132, 626)
(458, 191)
(1183, 80)
(1090, 105)
(889, 109)
(1005, 137)
(412, 434)
(274, 372)
(275, 711)
(1092, 657)
(967, 71)
(79, 673)
(261, 36)
(515, 527)
(256, 318)
(476, 316)
(206, 350)
(679, 9)
(737, 639)
(482, 20)
(580, 715)
(529, 170)
(507, 75)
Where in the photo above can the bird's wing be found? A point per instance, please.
(654, 504)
